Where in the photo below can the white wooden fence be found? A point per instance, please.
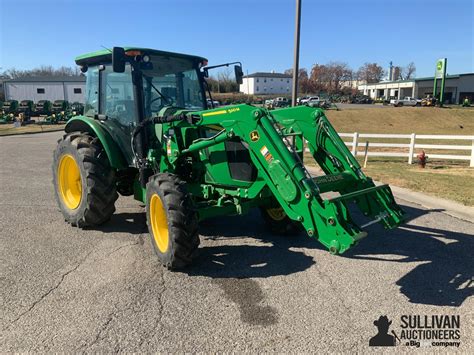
(412, 145)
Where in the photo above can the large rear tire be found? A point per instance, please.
(84, 182)
(172, 221)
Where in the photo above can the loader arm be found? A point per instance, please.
(281, 169)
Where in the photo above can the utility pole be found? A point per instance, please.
(294, 91)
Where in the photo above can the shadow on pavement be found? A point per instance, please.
(125, 222)
(234, 266)
(445, 277)
(249, 261)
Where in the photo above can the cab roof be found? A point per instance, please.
(105, 55)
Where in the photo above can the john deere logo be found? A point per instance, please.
(254, 136)
(439, 66)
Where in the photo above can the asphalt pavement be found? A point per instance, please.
(64, 289)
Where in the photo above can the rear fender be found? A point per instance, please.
(87, 124)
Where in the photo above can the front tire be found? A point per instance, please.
(84, 182)
(172, 221)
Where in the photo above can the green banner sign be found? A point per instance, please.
(440, 73)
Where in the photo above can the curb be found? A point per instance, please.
(449, 207)
(24, 133)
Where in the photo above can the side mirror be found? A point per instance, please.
(238, 74)
(118, 59)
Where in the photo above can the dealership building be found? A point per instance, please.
(69, 88)
(266, 84)
(457, 88)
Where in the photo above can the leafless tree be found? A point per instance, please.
(408, 72)
(304, 83)
(330, 77)
(44, 70)
(371, 73)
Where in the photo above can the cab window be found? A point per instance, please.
(117, 95)
(91, 107)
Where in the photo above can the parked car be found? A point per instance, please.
(307, 99)
(298, 99)
(268, 102)
(315, 102)
(406, 101)
(213, 103)
(280, 102)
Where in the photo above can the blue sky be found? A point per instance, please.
(257, 32)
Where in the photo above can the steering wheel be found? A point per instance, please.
(168, 100)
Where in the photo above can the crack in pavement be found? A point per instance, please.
(102, 328)
(47, 293)
(63, 276)
(121, 247)
(159, 320)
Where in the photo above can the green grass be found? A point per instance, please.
(404, 120)
(453, 182)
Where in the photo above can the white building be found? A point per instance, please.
(457, 88)
(69, 88)
(266, 84)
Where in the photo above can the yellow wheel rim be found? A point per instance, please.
(69, 182)
(277, 214)
(159, 223)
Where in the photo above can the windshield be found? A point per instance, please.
(171, 82)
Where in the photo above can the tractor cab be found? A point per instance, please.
(128, 85)
(123, 90)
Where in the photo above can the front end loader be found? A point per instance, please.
(147, 131)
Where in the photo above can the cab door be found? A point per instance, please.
(117, 105)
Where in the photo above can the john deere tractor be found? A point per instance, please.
(59, 112)
(147, 131)
(8, 110)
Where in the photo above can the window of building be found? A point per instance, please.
(264, 88)
(271, 79)
(77, 90)
(264, 80)
(40, 90)
(288, 81)
(257, 88)
(258, 80)
(281, 79)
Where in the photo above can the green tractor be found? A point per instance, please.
(25, 110)
(7, 111)
(147, 131)
(60, 112)
(43, 108)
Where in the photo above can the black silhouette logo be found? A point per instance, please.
(382, 338)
